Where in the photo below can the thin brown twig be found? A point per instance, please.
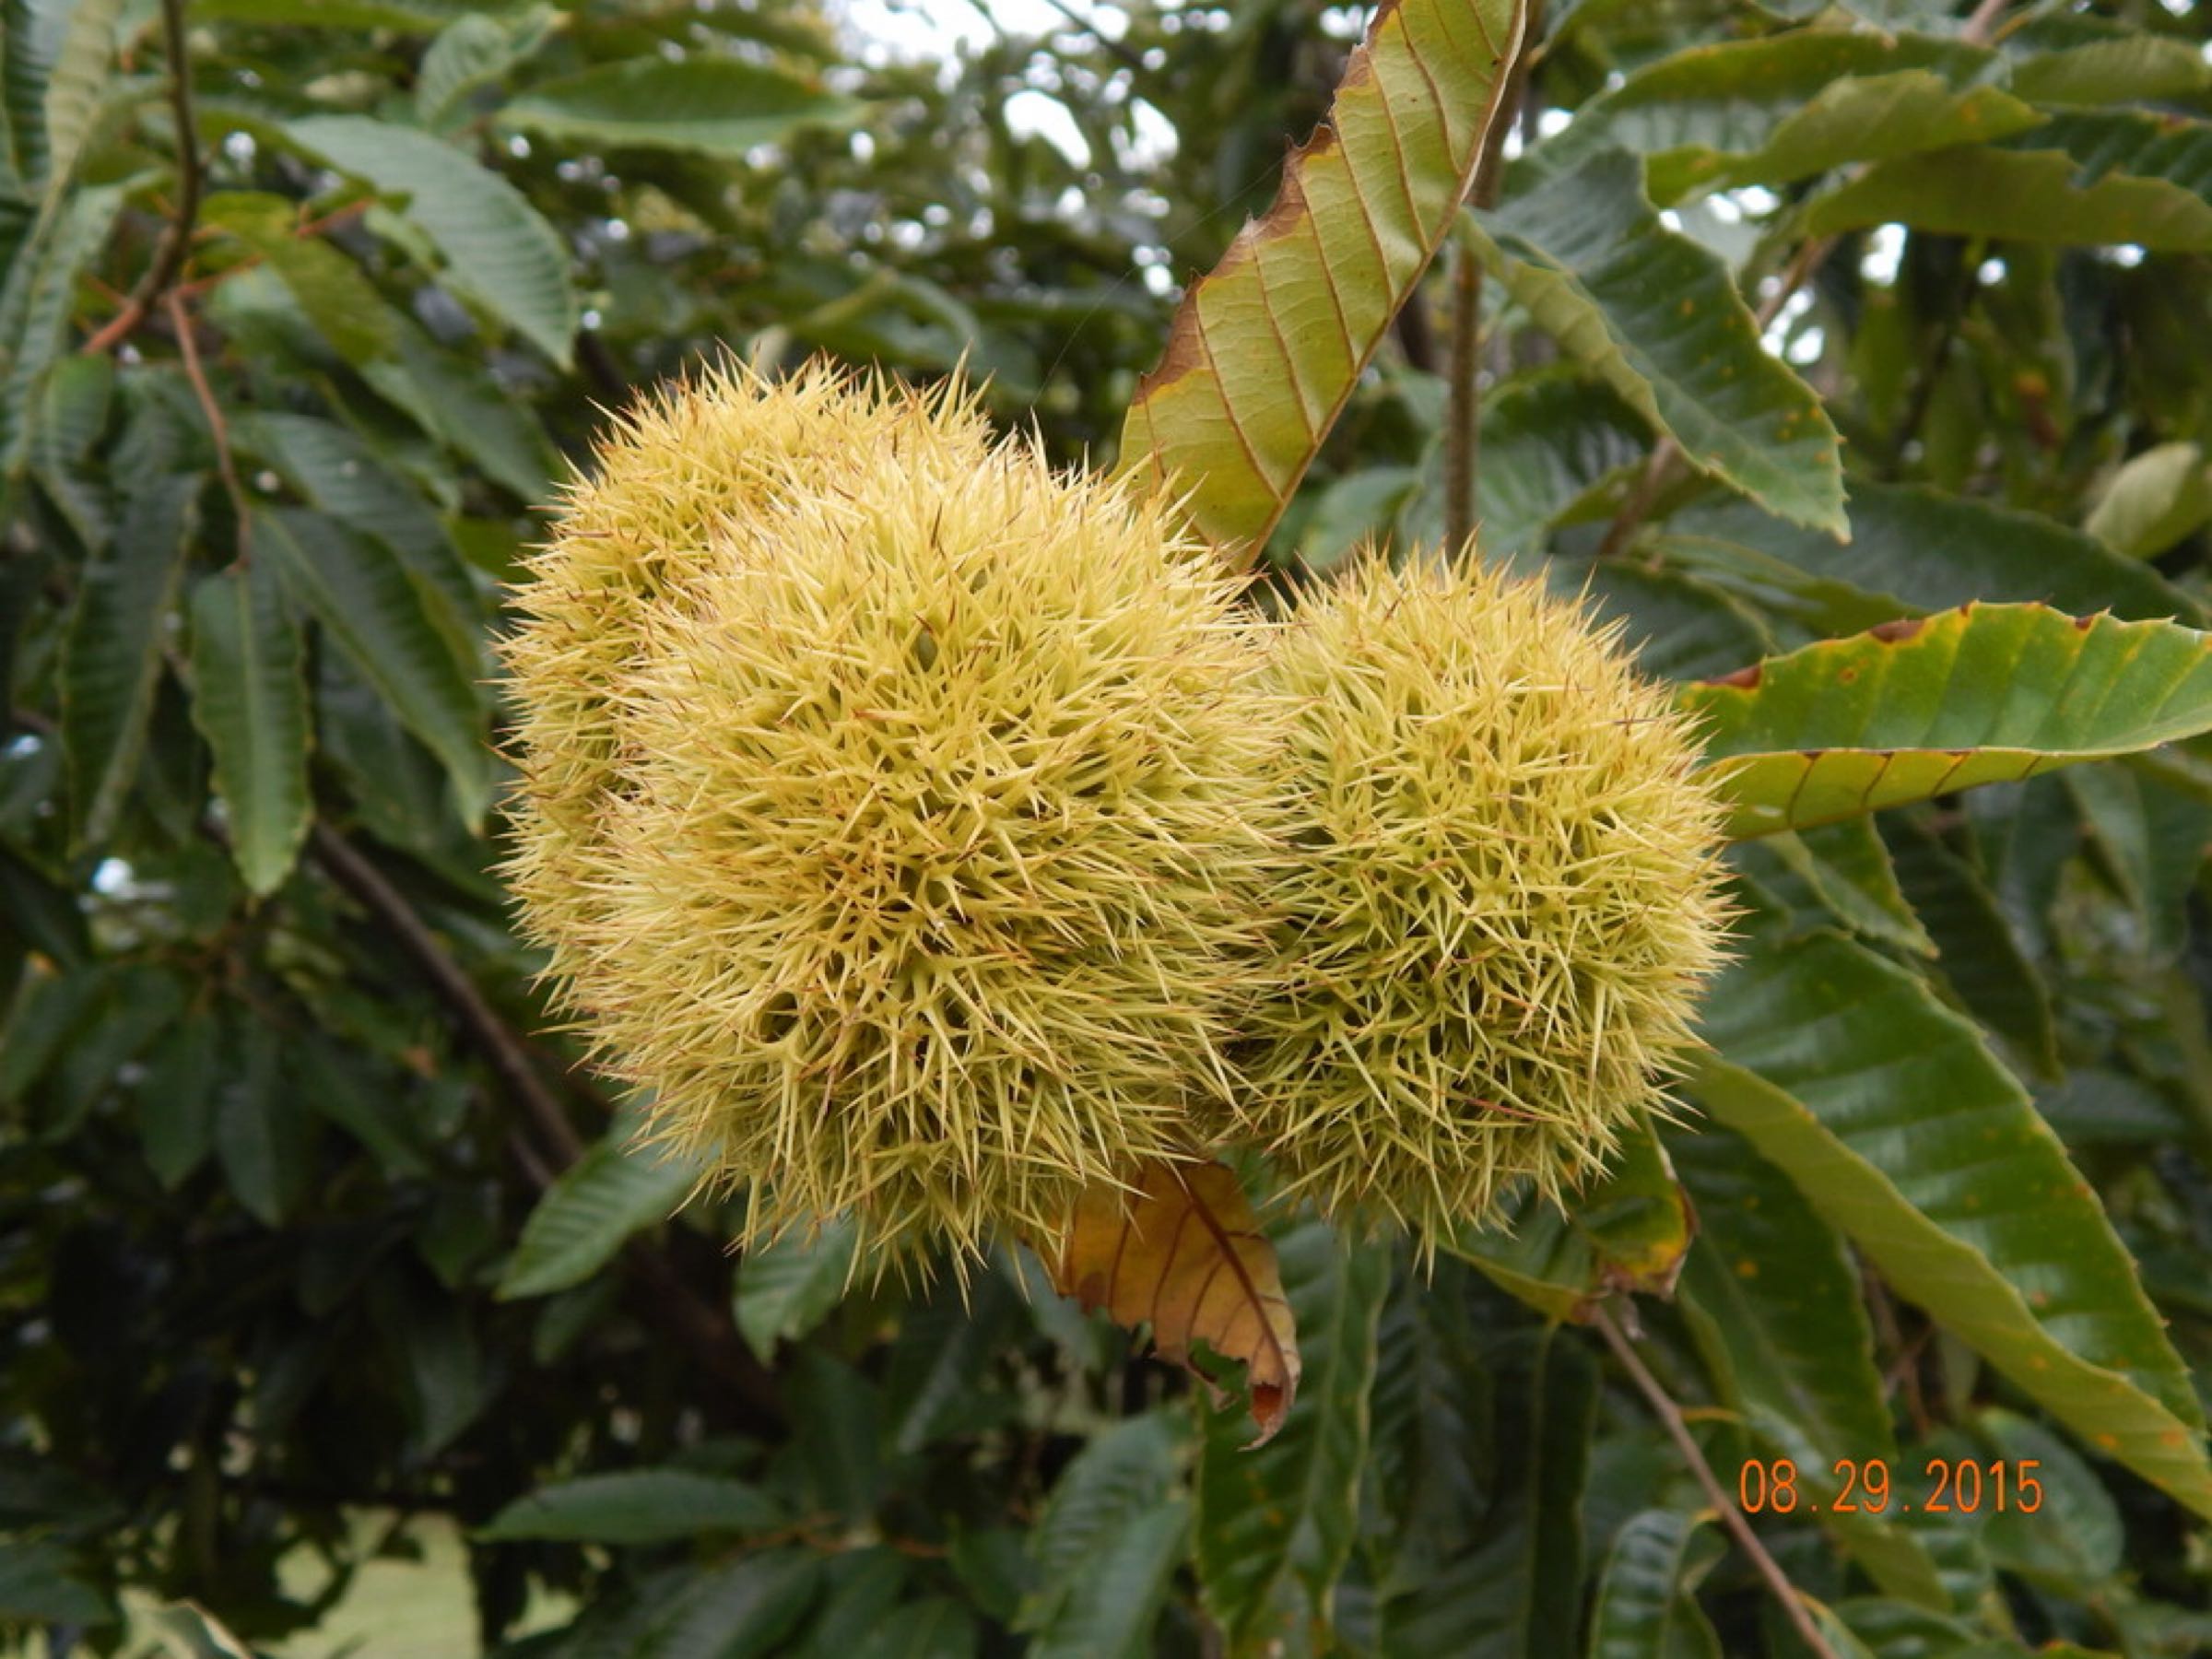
(1463, 426)
(667, 1294)
(1983, 20)
(1416, 336)
(486, 1030)
(1904, 1370)
(176, 235)
(1670, 1419)
(1664, 465)
(215, 280)
(218, 429)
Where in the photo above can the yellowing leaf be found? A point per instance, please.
(1179, 1250)
(1264, 350)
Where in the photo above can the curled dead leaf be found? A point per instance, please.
(1179, 1248)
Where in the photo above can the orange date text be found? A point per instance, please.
(1852, 1485)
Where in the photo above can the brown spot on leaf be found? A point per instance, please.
(1743, 679)
(1897, 629)
(1184, 352)
(1846, 675)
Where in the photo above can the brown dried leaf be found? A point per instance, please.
(1182, 1250)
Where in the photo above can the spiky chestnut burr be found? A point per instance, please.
(921, 877)
(1504, 896)
(670, 476)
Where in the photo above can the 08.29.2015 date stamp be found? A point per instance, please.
(1946, 1486)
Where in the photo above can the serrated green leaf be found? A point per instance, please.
(343, 477)
(839, 1438)
(30, 38)
(590, 1212)
(44, 916)
(1657, 318)
(141, 1001)
(72, 89)
(785, 1288)
(49, 1011)
(2073, 1540)
(498, 248)
(1352, 510)
(264, 1139)
(1849, 871)
(375, 611)
(2157, 498)
(1678, 627)
(2127, 146)
(1788, 597)
(249, 702)
(41, 1584)
(1914, 551)
(1428, 1468)
(720, 107)
(1647, 1607)
(944, 1345)
(1774, 110)
(1980, 695)
(2095, 1107)
(333, 292)
(1518, 1591)
(1976, 955)
(1547, 442)
(1105, 1538)
(2019, 195)
(1275, 1525)
(176, 1100)
(2154, 837)
(1265, 351)
(368, 1110)
(2137, 66)
(741, 1611)
(934, 1628)
(1892, 1119)
(112, 657)
(471, 52)
(66, 421)
(637, 1506)
(459, 402)
(1772, 1298)
(1121, 1472)
(1872, 1627)
(862, 1586)
(1112, 1612)
(34, 307)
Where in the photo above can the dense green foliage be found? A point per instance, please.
(323, 1274)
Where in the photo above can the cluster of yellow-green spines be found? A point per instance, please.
(930, 836)
(1502, 896)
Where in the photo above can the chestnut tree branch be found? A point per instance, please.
(176, 236)
(1670, 1419)
(1463, 423)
